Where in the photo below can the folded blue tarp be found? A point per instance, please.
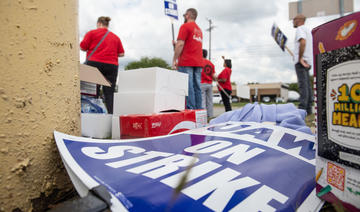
(285, 115)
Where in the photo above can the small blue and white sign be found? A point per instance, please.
(279, 36)
(235, 166)
(171, 9)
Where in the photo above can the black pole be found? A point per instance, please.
(209, 39)
(341, 7)
(173, 34)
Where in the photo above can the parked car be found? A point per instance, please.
(293, 96)
(217, 99)
(266, 99)
(279, 100)
(234, 99)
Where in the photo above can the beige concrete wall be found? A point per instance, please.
(39, 93)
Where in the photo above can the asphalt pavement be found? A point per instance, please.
(219, 109)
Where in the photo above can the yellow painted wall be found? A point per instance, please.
(39, 93)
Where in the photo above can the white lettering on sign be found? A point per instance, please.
(171, 6)
(163, 166)
(288, 141)
(258, 201)
(222, 186)
(171, 12)
(113, 152)
(147, 156)
(208, 147)
(195, 172)
(209, 179)
(238, 154)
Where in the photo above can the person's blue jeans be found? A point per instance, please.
(306, 96)
(193, 100)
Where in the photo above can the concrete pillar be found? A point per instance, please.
(39, 93)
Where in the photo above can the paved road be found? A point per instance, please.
(219, 109)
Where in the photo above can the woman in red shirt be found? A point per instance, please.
(105, 57)
(225, 83)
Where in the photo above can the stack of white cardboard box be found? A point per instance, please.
(148, 91)
(96, 125)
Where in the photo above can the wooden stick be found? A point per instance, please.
(290, 52)
(221, 88)
(318, 175)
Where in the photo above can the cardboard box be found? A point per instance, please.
(89, 77)
(147, 102)
(115, 127)
(139, 126)
(153, 79)
(96, 125)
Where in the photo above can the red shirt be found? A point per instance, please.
(207, 72)
(192, 51)
(109, 49)
(225, 74)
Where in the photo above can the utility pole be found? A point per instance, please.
(209, 29)
(341, 8)
(299, 7)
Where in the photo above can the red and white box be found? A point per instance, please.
(157, 124)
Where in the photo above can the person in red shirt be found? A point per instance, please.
(188, 57)
(225, 83)
(105, 57)
(207, 76)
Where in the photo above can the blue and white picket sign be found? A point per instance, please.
(234, 166)
(171, 8)
(279, 36)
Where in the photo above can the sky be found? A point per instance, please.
(242, 33)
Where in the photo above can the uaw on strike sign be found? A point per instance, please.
(235, 166)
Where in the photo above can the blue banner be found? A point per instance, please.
(227, 167)
(171, 8)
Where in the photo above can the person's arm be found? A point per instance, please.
(121, 51)
(221, 80)
(213, 73)
(302, 43)
(85, 43)
(220, 77)
(179, 46)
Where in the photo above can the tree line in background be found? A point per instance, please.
(294, 86)
(146, 62)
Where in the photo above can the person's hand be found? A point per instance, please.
(174, 65)
(304, 63)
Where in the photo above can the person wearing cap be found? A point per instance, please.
(303, 54)
(225, 84)
(207, 77)
(188, 57)
(105, 56)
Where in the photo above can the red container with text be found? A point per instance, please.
(157, 124)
